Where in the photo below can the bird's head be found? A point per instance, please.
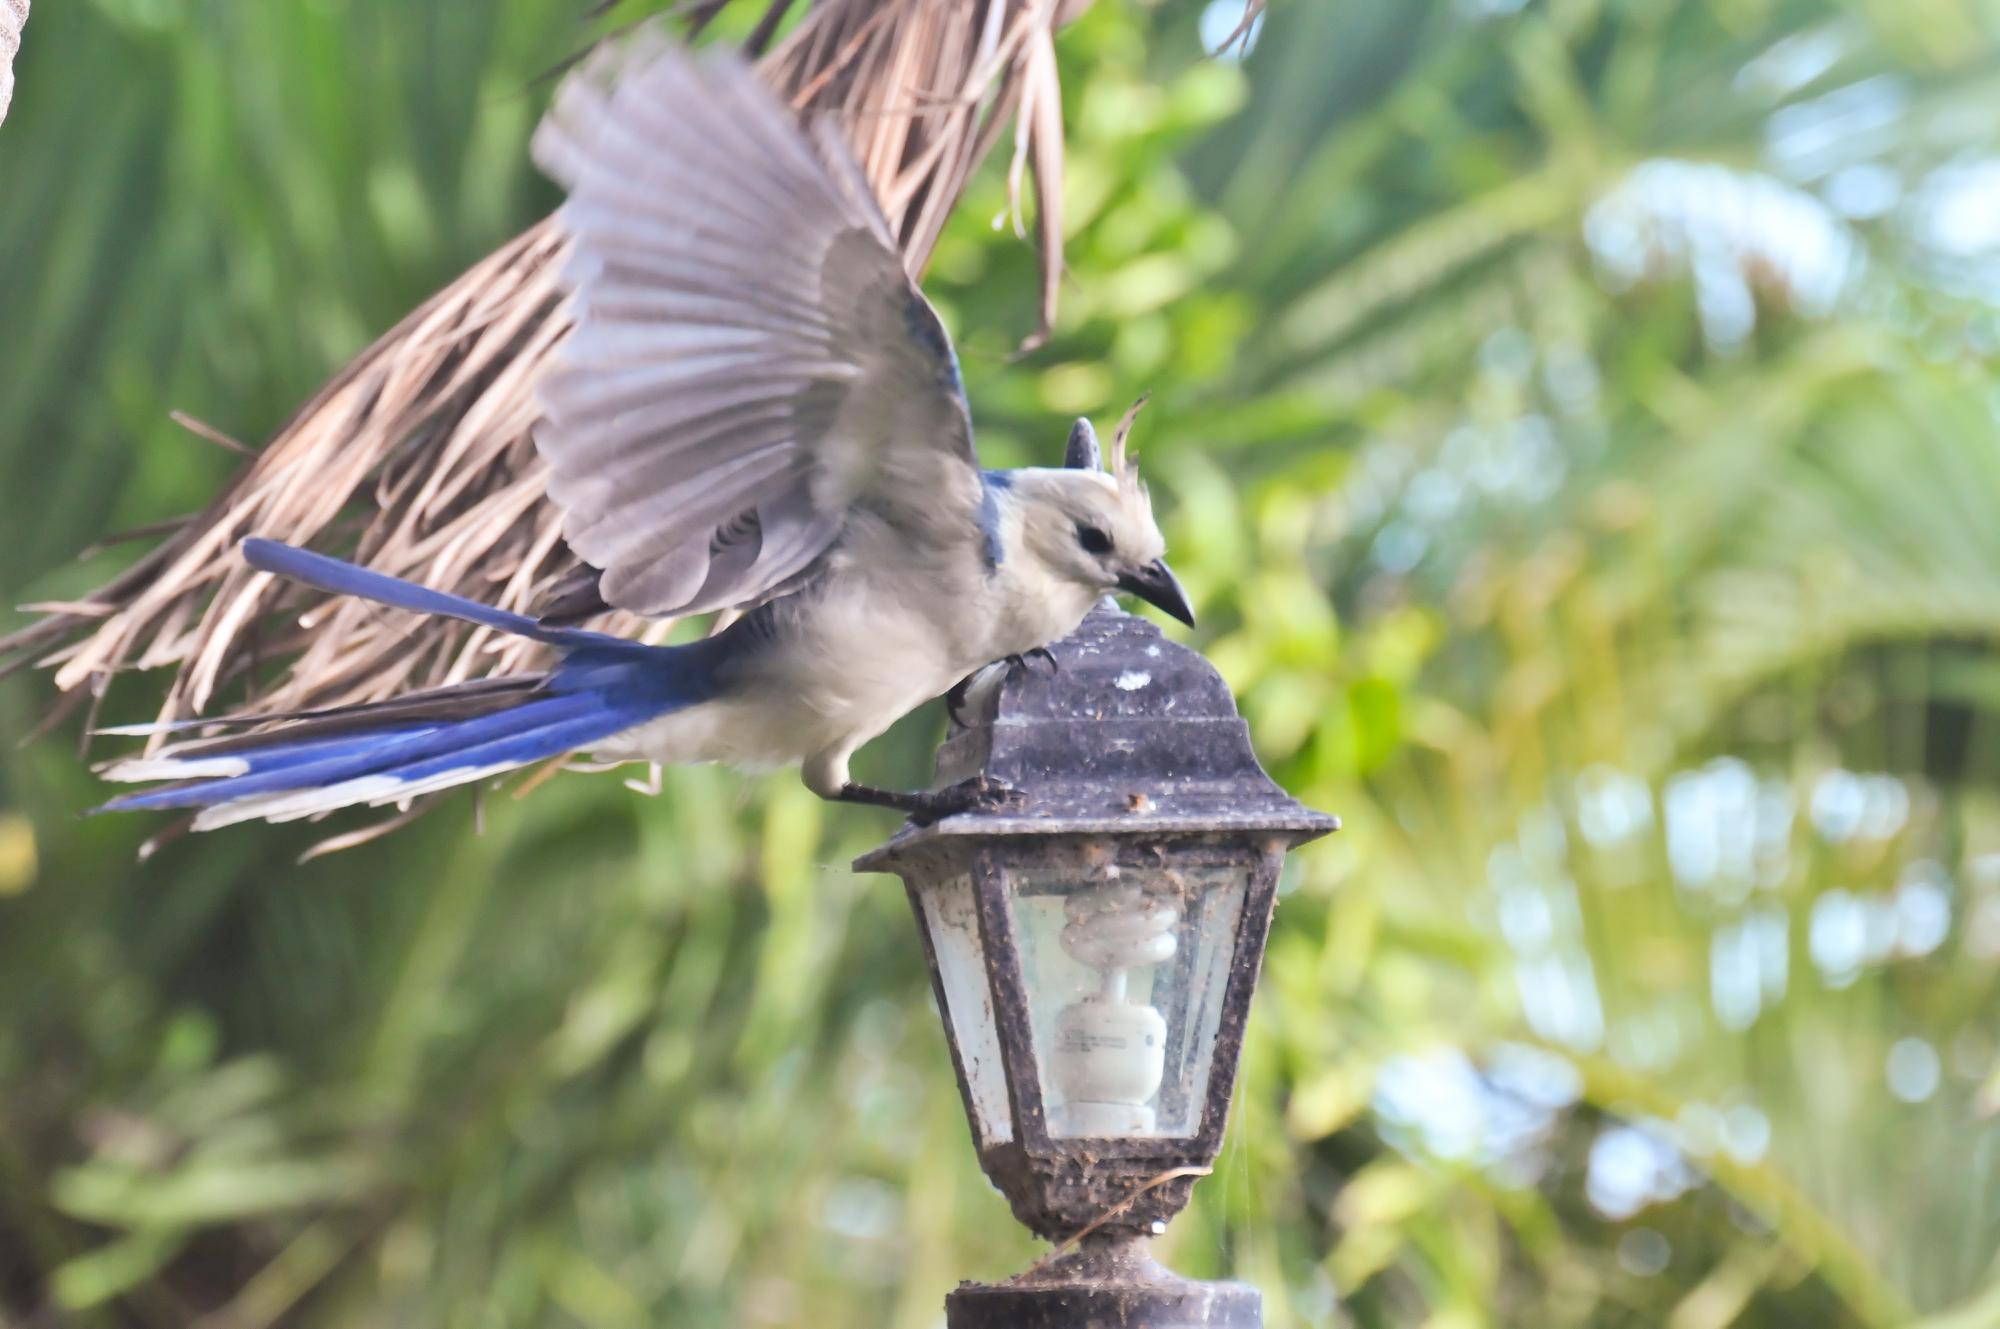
(1091, 525)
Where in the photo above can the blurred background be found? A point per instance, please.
(1576, 423)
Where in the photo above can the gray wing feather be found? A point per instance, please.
(750, 361)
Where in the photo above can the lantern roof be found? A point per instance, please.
(1128, 732)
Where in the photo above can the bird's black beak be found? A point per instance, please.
(1157, 585)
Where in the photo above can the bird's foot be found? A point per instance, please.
(1026, 659)
(981, 793)
(961, 691)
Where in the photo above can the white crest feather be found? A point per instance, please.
(1122, 465)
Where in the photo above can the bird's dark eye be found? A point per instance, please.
(1093, 539)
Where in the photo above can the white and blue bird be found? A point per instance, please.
(757, 411)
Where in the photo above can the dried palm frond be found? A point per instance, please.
(417, 459)
(13, 17)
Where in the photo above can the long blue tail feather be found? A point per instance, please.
(338, 577)
(367, 753)
(602, 686)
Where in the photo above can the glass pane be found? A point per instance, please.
(1125, 969)
(953, 924)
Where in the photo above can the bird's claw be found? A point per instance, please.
(954, 702)
(1026, 659)
(961, 691)
(989, 794)
(981, 793)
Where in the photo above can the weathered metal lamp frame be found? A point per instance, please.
(1129, 750)
(1057, 1186)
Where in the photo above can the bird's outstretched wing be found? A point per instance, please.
(751, 363)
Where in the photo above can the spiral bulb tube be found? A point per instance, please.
(1115, 926)
(1110, 1052)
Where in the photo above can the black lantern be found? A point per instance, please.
(1093, 950)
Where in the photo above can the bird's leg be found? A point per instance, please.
(924, 806)
(954, 700)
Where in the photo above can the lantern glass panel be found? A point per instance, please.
(951, 917)
(1125, 969)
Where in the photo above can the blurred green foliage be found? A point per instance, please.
(1575, 421)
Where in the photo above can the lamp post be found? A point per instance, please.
(1093, 951)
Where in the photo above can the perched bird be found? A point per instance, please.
(758, 411)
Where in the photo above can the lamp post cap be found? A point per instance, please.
(1103, 1283)
(1127, 732)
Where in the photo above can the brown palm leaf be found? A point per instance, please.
(416, 458)
(13, 17)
